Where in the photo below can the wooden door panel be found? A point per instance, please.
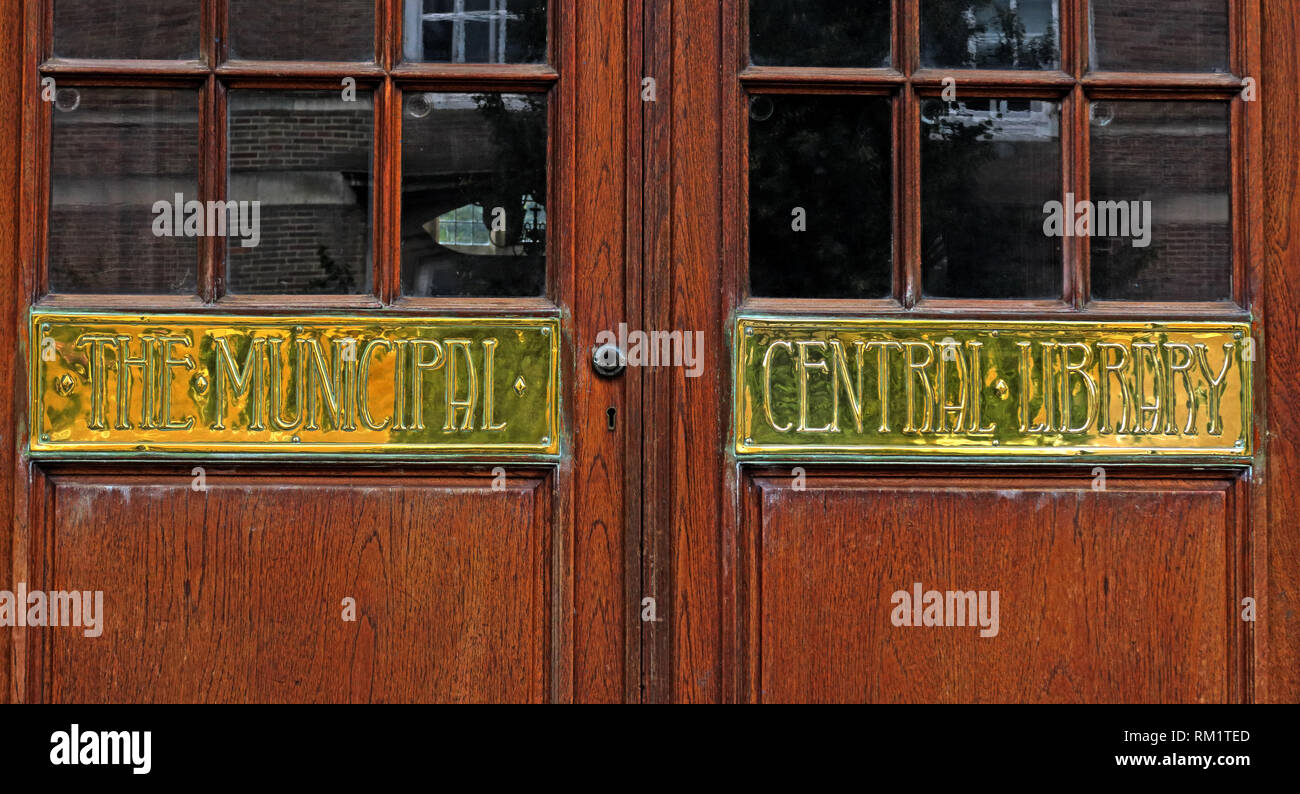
(1104, 596)
(237, 594)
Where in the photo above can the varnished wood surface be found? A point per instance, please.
(1121, 595)
(669, 201)
(234, 594)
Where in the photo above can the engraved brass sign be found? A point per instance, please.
(239, 386)
(944, 388)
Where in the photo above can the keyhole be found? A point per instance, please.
(612, 414)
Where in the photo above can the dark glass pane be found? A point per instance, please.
(474, 194)
(322, 30)
(1172, 36)
(123, 166)
(988, 169)
(819, 33)
(990, 34)
(475, 31)
(300, 166)
(135, 29)
(1164, 170)
(819, 196)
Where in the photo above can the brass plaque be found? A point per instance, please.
(883, 388)
(314, 385)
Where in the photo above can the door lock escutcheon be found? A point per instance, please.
(608, 360)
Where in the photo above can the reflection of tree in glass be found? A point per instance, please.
(526, 31)
(336, 279)
(517, 126)
(949, 27)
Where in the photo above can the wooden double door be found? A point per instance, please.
(668, 171)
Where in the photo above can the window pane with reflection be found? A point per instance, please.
(300, 177)
(473, 194)
(123, 183)
(819, 33)
(1177, 36)
(129, 29)
(322, 30)
(989, 168)
(990, 34)
(1161, 185)
(819, 196)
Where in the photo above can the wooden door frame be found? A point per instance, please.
(594, 634)
(692, 510)
(1277, 514)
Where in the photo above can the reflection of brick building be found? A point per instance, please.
(1175, 155)
(1150, 35)
(157, 29)
(307, 158)
(114, 153)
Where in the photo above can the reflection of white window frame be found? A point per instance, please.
(451, 229)
(495, 15)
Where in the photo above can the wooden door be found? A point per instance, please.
(890, 166)
(380, 137)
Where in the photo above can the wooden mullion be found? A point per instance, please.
(302, 83)
(995, 79)
(478, 77)
(811, 80)
(212, 185)
(1137, 83)
(111, 68)
(129, 302)
(1225, 310)
(1075, 179)
(902, 278)
(388, 251)
(384, 258)
(907, 33)
(322, 71)
(385, 25)
(997, 308)
(907, 160)
(1074, 132)
(220, 32)
(212, 144)
(1074, 36)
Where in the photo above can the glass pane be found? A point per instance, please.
(819, 33)
(1164, 170)
(1173, 36)
(474, 172)
(322, 30)
(990, 34)
(123, 173)
(819, 196)
(135, 29)
(989, 168)
(475, 31)
(300, 174)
